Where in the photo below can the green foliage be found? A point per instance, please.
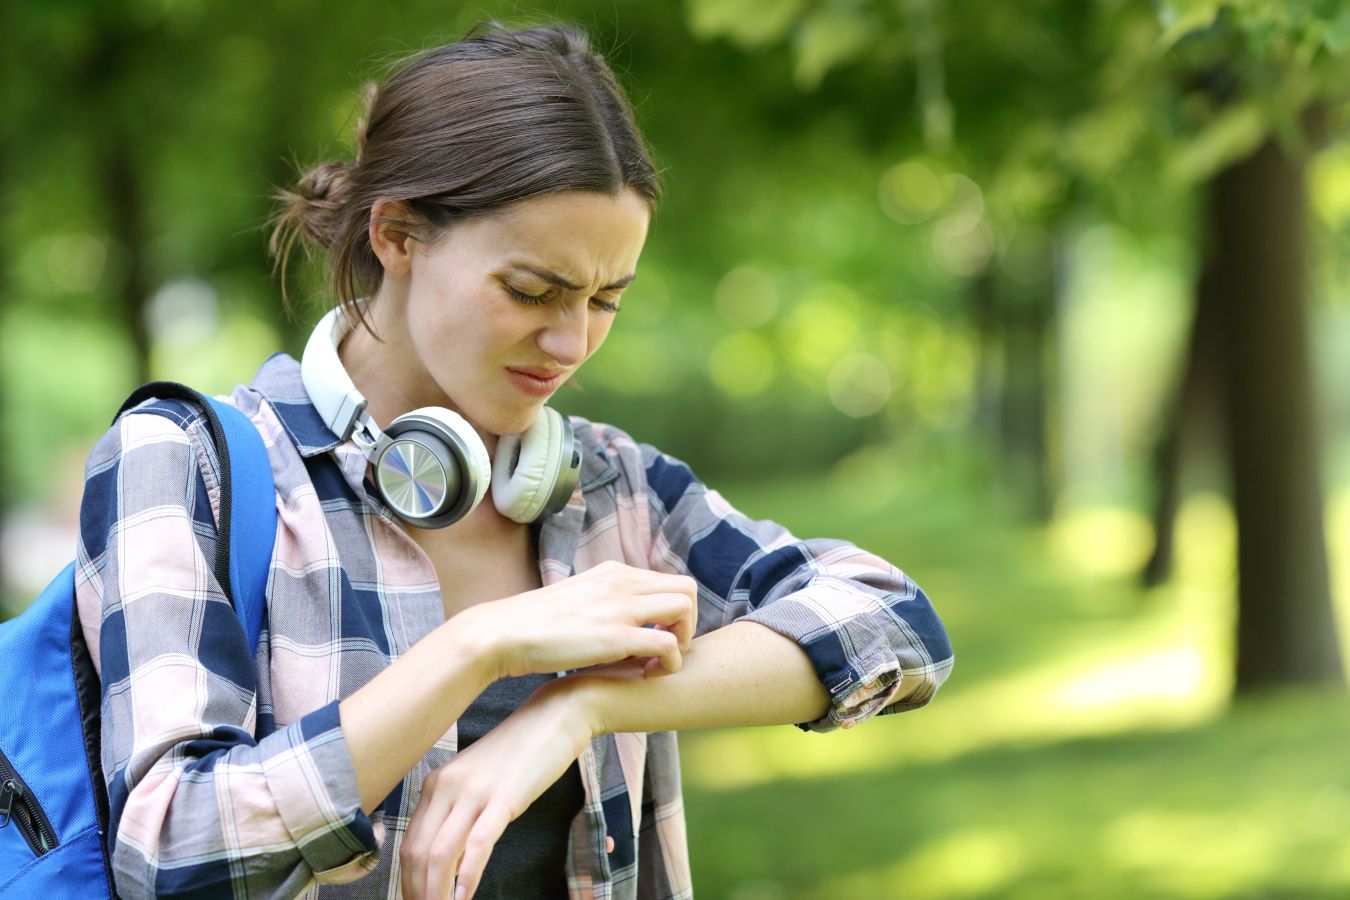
(748, 23)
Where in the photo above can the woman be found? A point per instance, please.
(404, 722)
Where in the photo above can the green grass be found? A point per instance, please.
(1255, 804)
(1086, 745)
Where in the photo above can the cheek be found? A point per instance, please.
(596, 332)
(476, 324)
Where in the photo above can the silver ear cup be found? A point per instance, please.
(415, 474)
(422, 473)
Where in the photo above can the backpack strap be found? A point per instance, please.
(248, 512)
(253, 506)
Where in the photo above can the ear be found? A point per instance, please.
(390, 236)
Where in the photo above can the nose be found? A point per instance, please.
(565, 338)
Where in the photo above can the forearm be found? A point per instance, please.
(742, 674)
(391, 722)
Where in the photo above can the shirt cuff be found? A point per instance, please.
(313, 783)
(857, 647)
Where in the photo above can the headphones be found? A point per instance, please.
(431, 468)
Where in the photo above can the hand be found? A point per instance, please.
(466, 804)
(592, 618)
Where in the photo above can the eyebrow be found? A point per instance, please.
(557, 280)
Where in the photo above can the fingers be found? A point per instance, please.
(447, 848)
(589, 618)
(686, 624)
(663, 645)
(487, 830)
(628, 667)
(676, 612)
(454, 854)
(643, 581)
(426, 820)
(651, 668)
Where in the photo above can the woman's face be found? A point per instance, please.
(531, 287)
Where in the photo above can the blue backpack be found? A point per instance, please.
(53, 801)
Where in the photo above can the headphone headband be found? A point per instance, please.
(329, 386)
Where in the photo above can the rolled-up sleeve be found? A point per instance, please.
(870, 632)
(198, 804)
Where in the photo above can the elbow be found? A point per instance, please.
(924, 654)
(916, 687)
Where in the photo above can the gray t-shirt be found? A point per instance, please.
(530, 859)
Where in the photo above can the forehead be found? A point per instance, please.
(571, 229)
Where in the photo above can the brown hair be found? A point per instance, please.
(461, 130)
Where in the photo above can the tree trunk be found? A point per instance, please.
(984, 317)
(100, 84)
(125, 203)
(1190, 412)
(1027, 316)
(1286, 633)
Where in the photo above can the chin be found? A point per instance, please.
(513, 423)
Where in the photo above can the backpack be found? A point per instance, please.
(54, 818)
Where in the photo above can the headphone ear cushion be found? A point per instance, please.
(461, 437)
(522, 493)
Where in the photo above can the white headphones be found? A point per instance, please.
(431, 468)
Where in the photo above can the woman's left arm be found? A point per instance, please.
(867, 632)
(741, 675)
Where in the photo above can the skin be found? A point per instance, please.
(449, 329)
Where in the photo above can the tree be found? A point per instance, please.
(1216, 95)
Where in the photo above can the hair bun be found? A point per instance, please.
(325, 184)
(312, 211)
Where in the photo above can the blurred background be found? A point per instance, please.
(1046, 303)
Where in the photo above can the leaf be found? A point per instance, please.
(827, 38)
(748, 24)
(1338, 34)
(1234, 133)
(1182, 17)
(1103, 138)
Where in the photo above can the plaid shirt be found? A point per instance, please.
(232, 776)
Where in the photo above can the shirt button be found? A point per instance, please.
(609, 844)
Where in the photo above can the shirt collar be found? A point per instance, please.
(279, 382)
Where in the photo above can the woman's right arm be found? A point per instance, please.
(197, 804)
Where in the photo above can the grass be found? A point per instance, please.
(1086, 745)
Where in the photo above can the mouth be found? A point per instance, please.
(536, 382)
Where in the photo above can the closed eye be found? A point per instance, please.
(527, 298)
(540, 299)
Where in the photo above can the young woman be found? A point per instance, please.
(454, 697)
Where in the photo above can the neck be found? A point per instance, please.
(388, 373)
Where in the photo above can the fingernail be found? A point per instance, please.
(460, 892)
